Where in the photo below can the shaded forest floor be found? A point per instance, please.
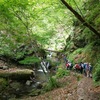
(77, 88)
(74, 87)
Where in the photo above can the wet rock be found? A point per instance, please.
(28, 82)
(39, 85)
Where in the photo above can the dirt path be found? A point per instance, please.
(85, 90)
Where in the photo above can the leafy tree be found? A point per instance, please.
(80, 18)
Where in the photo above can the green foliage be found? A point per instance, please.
(87, 35)
(3, 84)
(96, 74)
(52, 83)
(19, 55)
(35, 92)
(74, 54)
(78, 51)
(94, 13)
(93, 9)
(62, 72)
(30, 60)
(88, 47)
(97, 21)
(24, 21)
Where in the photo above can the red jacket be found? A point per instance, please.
(67, 65)
(77, 66)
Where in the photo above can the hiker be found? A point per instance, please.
(87, 69)
(77, 67)
(67, 65)
(90, 70)
(84, 69)
(81, 67)
(70, 65)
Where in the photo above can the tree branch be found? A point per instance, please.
(80, 18)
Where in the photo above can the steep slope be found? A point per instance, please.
(83, 45)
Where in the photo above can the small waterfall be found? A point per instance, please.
(44, 66)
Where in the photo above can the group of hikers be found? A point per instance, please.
(83, 68)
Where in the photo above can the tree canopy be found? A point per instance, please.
(40, 23)
(26, 21)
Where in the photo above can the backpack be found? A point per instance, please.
(87, 67)
(77, 66)
(67, 65)
(82, 65)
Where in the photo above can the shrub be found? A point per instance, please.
(3, 83)
(30, 60)
(96, 75)
(52, 83)
(62, 72)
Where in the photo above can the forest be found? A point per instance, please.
(38, 38)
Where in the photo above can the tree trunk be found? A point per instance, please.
(80, 18)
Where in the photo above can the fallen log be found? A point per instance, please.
(16, 74)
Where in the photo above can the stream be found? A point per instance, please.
(19, 89)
